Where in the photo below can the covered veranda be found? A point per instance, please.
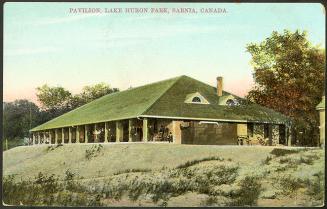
(128, 130)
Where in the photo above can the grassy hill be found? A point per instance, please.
(165, 174)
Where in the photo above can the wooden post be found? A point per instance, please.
(119, 131)
(69, 135)
(286, 135)
(106, 132)
(38, 138)
(289, 136)
(177, 132)
(145, 130)
(6, 144)
(270, 134)
(50, 137)
(56, 136)
(95, 133)
(85, 134)
(130, 124)
(33, 137)
(62, 136)
(77, 134)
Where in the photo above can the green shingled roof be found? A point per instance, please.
(162, 99)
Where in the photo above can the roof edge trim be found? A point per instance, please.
(209, 119)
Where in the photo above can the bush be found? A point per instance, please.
(193, 162)
(267, 160)
(133, 170)
(11, 143)
(93, 151)
(289, 184)
(45, 190)
(248, 193)
(282, 152)
(316, 187)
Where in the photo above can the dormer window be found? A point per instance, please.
(196, 100)
(230, 102)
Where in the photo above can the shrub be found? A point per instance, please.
(211, 200)
(248, 193)
(267, 160)
(316, 187)
(133, 170)
(93, 151)
(282, 152)
(193, 162)
(45, 190)
(48, 184)
(290, 183)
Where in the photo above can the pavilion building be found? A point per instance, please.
(181, 109)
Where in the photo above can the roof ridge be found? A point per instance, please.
(177, 79)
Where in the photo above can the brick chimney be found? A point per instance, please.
(219, 86)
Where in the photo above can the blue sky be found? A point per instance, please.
(44, 43)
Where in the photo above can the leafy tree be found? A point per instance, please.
(90, 93)
(56, 101)
(53, 97)
(18, 118)
(289, 77)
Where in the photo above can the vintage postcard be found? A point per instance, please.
(163, 104)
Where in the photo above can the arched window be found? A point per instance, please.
(230, 102)
(196, 100)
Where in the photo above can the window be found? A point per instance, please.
(196, 100)
(230, 102)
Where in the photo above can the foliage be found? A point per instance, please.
(282, 152)
(53, 98)
(223, 182)
(18, 117)
(47, 191)
(13, 143)
(248, 193)
(289, 184)
(93, 151)
(267, 160)
(193, 162)
(135, 170)
(22, 115)
(57, 100)
(316, 187)
(289, 78)
(90, 93)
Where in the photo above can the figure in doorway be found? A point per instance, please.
(170, 137)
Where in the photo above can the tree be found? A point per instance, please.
(53, 97)
(289, 77)
(56, 101)
(18, 118)
(90, 93)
